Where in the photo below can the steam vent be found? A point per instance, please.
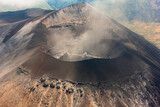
(77, 57)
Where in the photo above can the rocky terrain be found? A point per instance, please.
(77, 57)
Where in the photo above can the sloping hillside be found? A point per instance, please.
(142, 10)
(14, 16)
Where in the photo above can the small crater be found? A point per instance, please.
(52, 85)
(58, 87)
(45, 85)
(69, 91)
(42, 80)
